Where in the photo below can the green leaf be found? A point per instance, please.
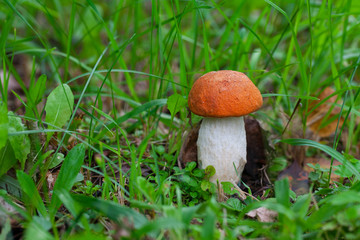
(235, 204)
(38, 90)
(6, 228)
(73, 206)
(282, 192)
(67, 175)
(146, 188)
(205, 185)
(189, 180)
(88, 235)
(209, 171)
(11, 185)
(325, 212)
(344, 198)
(228, 188)
(208, 227)
(194, 194)
(158, 224)
(38, 228)
(112, 210)
(59, 158)
(200, 173)
(4, 120)
(302, 204)
(20, 143)
(7, 158)
(190, 166)
(59, 107)
(29, 188)
(175, 103)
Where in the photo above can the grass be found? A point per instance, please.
(97, 93)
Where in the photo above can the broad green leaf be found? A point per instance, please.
(38, 229)
(302, 204)
(344, 198)
(324, 213)
(188, 213)
(112, 210)
(175, 103)
(208, 227)
(29, 188)
(146, 188)
(7, 158)
(73, 206)
(282, 192)
(11, 185)
(88, 235)
(67, 175)
(59, 158)
(3, 124)
(59, 107)
(158, 224)
(20, 143)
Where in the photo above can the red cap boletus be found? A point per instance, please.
(224, 93)
(223, 98)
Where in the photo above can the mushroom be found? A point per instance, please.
(223, 98)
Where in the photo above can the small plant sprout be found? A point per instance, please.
(223, 98)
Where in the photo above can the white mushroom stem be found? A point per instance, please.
(222, 144)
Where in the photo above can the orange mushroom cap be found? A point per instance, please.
(224, 93)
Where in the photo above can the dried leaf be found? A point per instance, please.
(263, 214)
(323, 119)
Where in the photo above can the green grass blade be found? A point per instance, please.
(326, 149)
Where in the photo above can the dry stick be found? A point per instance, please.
(292, 115)
(243, 193)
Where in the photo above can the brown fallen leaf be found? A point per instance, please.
(323, 113)
(263, 214)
